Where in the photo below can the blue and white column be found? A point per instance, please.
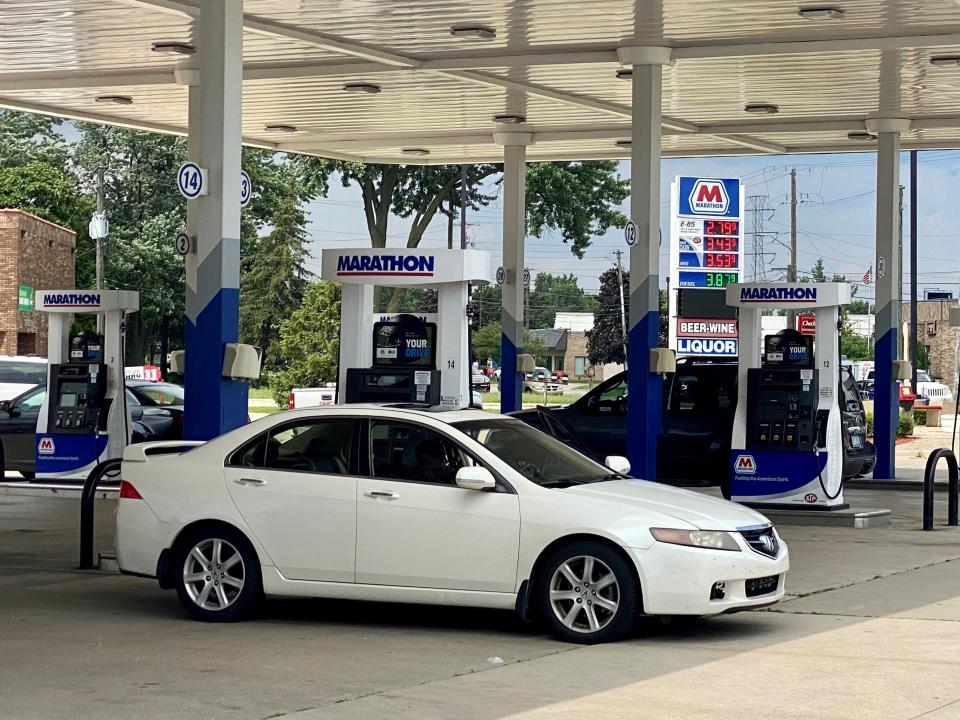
(214, 404)
(514, 235)
(886, 408)
(644, 389)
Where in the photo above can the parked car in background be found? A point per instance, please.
(19, 373)
(906, 396)
(699, 401)
(935, 392)
(156, 410)
(561, 376)
(312, 397)
(479, 381)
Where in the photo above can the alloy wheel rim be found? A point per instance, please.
(584, 594)
(213, 574)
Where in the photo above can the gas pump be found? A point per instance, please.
(787, 446)
(404, 359)
(84, 417)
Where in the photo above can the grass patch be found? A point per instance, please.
(532, 398)
(261, 393)
(265, 410)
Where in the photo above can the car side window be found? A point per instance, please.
(610, 401)
(29, 404)
(401, 451)
(319, 446)
(686, 390)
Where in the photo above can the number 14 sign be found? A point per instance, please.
(192, 183)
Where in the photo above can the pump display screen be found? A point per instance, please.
(404, 344)
(68, 400)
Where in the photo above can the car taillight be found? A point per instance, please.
(290, 404)
(128, 491)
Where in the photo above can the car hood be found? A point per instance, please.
(701, 511)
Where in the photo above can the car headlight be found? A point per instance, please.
(710, 539)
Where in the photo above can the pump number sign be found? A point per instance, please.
(706, 252)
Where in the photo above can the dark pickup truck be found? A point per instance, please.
(698, 408)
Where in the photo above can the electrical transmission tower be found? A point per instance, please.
(759, 213)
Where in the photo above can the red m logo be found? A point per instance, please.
(709, 193)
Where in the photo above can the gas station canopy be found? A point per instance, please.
(420, 81)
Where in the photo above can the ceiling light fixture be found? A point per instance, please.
(420, 152)
(362, 87)
(623, 143)
(473, 32)
(280, 128)
(624, 73)
(507, 118)
(761, 108)
(945, 60)
(821, 13)
(860, 135)
(174, 48)
(115, 99)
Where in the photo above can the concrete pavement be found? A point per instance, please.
(871, 630)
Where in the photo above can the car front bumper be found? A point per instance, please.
(678, 580)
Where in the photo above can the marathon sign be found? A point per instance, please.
(70, 300)
(778, 294)
(715, 197)
(386, 265)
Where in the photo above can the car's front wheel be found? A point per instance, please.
(588, 594)
(217, 574)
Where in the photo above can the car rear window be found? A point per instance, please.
(22, 373)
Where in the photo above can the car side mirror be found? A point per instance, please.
(5, 406)
(136, 413)
(475, 478)
(618, 464)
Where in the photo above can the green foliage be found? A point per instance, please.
(905, 425)
(923, 357)
(274, 278)
(486, 344)
(869, 417)
(309, 342)
(605, 341)
(919, 416)
(47, 191)
(489, 301)
(556, 293)
(855, 347)
(860, 307)
(27, 138)
(579, 199)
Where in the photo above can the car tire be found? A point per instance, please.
(607, 612)
(212, 591)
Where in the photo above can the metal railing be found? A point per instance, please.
(108, 468)
(953, 487)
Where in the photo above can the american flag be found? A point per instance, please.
(868, 275)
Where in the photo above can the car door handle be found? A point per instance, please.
(250, 481)
(382, 493)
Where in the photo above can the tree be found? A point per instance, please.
(556, 293)
(605, 341)
(855, 347)
(860, 307)
(27, 138)
(308, 347)
(46, 191)
(486, 343)
(274, 278)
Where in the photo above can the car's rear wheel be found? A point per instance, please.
(217, 574)
(588, 594)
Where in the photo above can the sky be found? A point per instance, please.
(835, 219)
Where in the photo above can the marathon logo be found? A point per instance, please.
(386, 265)
(71, 300)
(778, 294)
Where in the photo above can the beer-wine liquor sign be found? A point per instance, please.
(706, 252)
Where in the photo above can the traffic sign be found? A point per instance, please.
(630, 232)
(245, 189)
(182, 244)
(501, 275)
(191, 180)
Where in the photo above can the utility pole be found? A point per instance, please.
(913, 266)
(792, 268)
(901, 350)
(99, 240)
(623, 306)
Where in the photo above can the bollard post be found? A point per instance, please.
(86, 509)
(953, 488)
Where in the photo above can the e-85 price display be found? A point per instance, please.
(721, 227)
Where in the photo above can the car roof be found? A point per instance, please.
(23, 358)
(448, 416)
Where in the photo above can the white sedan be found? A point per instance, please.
(454, 508)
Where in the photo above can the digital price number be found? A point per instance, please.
(720, 279)
(721, 227)
(721, 244)
(720, 260)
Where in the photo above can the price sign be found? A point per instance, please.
(191, 180)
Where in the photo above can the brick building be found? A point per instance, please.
(34, 255)
(565, 350)
(935, 333)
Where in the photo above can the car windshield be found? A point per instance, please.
(23, 373)
(923, 377)
(540, 458)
